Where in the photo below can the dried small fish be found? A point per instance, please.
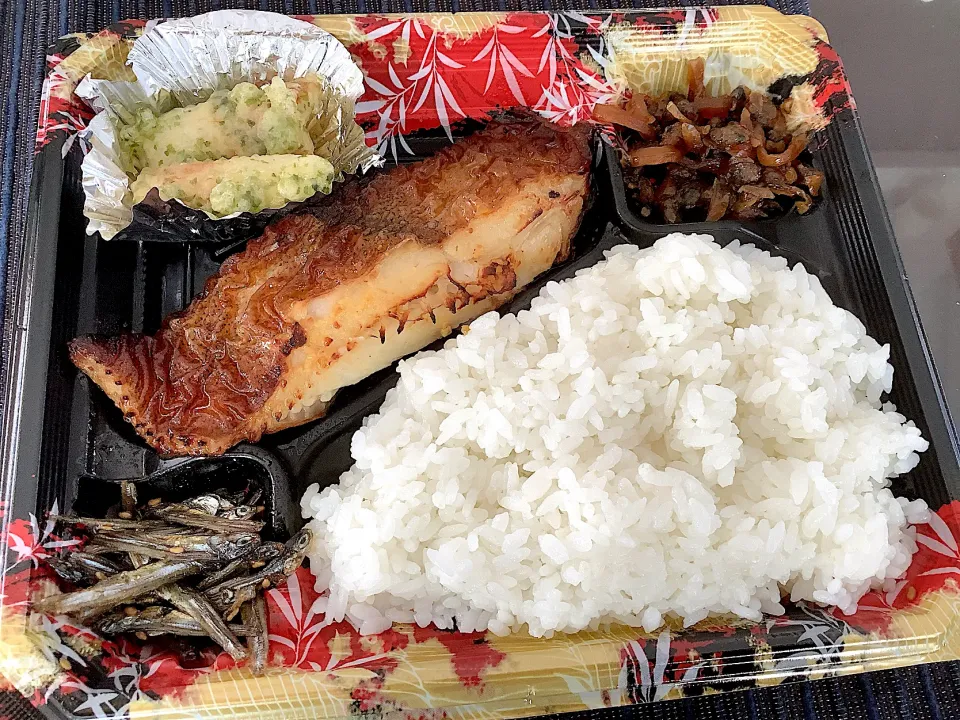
(119, 588)
(207, 504)
(229, 600)
(254, 616)
(124, 620)
(182, 514)
(224, 547)
(258, 558)
(296, 549)
(150, 598)
(241, 512)
(157, 620)
(69, 572)
(254, 497)
(95, 563)
(164, 547)
(79, 567)
(231, 569)
(166, 543)
(215, 502)
(198, 607)
(98, 524)
(228, 596)
(139, 546)
(173, 530)
(223, 504)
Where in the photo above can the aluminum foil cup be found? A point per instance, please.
(182, 62)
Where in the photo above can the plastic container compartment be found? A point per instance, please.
(57, 427)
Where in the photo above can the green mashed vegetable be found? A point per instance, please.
(238, 184)
(247, 120)
(245, 149)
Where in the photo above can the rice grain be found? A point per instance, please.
(682, 430)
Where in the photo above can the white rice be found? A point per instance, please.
(682, 430)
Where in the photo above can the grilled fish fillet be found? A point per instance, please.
(374, 272)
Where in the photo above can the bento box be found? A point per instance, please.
(428, 80)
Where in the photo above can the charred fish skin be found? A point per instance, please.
(325, 297)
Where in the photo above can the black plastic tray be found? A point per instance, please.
(58, 427)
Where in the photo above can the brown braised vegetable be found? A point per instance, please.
(696, 157)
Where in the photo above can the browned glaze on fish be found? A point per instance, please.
(377, 270)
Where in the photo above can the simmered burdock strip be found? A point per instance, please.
(697, 157)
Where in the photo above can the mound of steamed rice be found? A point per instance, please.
(681, 430)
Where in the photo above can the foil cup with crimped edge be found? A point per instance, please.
(182, 62)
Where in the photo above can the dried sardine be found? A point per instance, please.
(208, 504)
(169, 530)
(150, 598)
(230, 599)
(181, 514)
(70, 572)
(257, 558)
(79, 567)
(253, 496)
(125, 620)
(156, 620)
(95, 563)
(254, 616)
(119, 588)
(200, 609)
(217, 501)
(231, 569)
(194, 547)
(143, 547)
(241, 512)
(165, 542)
(98, 524)
(228, 596)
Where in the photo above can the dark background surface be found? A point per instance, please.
(899, 55)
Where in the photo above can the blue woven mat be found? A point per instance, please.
(29, 26)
